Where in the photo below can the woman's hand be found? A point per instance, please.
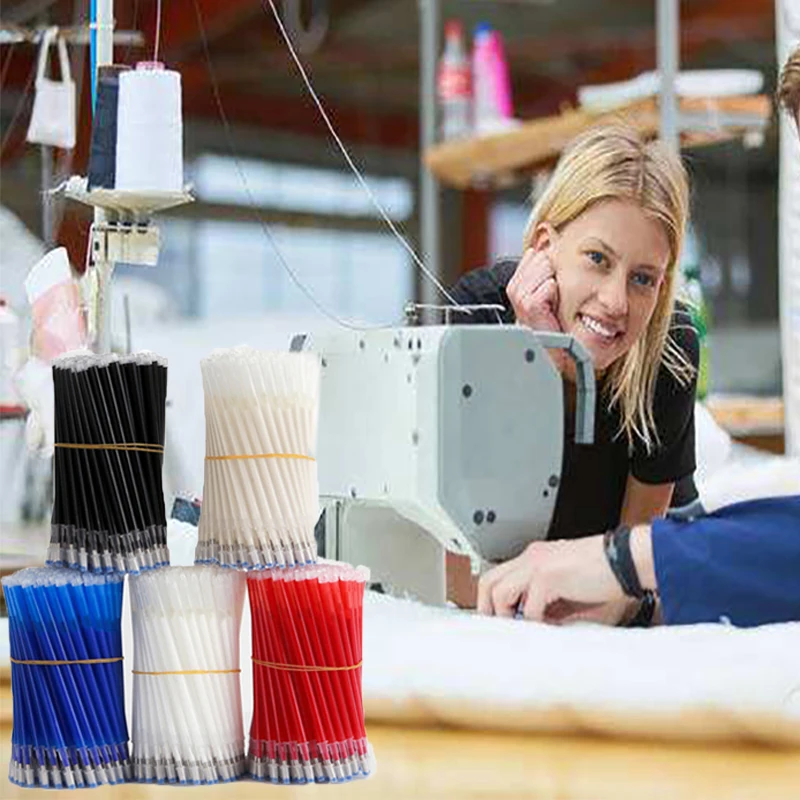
(556, 582)
(533, 292)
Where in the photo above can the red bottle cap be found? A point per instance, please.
(453, 29)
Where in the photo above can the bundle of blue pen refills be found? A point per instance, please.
(66, 645)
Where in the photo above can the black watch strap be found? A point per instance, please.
(644, 615)
(617, 546)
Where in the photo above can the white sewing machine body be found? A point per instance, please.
(441, 437)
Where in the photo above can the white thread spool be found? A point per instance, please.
(149, 130)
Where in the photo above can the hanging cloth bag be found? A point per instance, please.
(53, 116)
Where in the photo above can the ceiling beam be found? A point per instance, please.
(180, 35)
(295, 114)
(298, 115)
(701, 24)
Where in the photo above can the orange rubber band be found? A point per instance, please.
(260, 455)
(64, 663)
(188, 672)
(136, 447)
(303, 667)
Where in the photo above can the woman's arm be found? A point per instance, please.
(644, 501)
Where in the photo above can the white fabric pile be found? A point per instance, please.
(428, 665)
(729, 472)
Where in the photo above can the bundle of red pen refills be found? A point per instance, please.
(260, 507)
(308, 719)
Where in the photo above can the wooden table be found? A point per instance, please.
(459, 765)
(756, 421)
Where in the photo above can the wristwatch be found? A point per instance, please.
(643, 617)
(617, 547)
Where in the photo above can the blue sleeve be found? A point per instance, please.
(740, 563)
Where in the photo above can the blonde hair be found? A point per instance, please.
(615, 163)
(788, 93)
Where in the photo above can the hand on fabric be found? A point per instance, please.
(556, 582)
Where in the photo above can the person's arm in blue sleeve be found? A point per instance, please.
(740, 563)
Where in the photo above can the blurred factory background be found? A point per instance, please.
(364, 59)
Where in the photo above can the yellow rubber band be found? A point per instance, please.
(136, 447)
(63, 663)
(260, 455)
(303, 667)
(189, 672)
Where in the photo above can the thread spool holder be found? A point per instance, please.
(123, 233)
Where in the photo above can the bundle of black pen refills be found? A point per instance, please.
(108, 512)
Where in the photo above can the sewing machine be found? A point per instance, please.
(441, 438)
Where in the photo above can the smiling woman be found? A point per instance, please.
(613, 260)
(600, 263)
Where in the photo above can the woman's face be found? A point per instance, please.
(610, 264)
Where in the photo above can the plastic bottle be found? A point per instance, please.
(454, 85)
(502, 78)
(483, 78)
(492, 106)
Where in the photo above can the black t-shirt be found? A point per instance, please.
(593, 477)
